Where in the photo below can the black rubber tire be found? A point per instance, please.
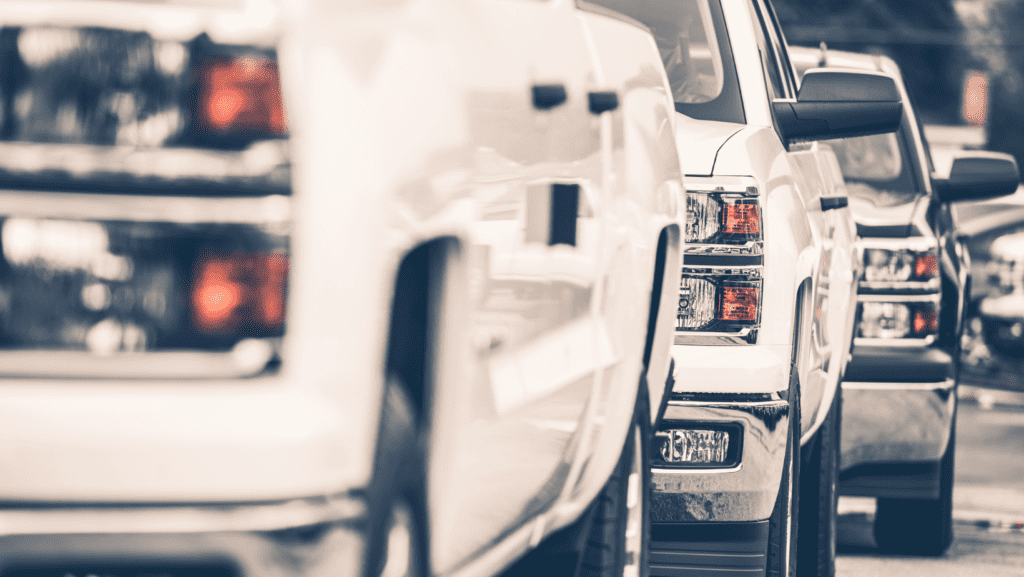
(782, 544)
(397, 534)
(998, 335)
(605, 552)
(920, 526)
(819, 469)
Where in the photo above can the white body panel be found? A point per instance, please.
(409, 123)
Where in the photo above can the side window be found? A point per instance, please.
(769, 60)
(781, 49)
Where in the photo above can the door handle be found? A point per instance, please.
(833, 202)
(548, 96)
(602, 101)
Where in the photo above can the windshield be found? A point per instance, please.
(694, 47)
(686, 39)
(875, 168)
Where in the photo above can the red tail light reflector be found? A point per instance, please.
(242, 94)
(738, 303)
(926, 265)
(741, 218)
(926, 321)
(242, 293)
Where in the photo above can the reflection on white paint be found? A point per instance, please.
(548, 364)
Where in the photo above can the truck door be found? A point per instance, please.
(503, 447)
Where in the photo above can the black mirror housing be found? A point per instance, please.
(837, 103)
(978, 175)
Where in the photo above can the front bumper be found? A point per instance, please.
(745, 492)
(308, 537)
(898, 411)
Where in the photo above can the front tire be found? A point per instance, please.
(818, 496)
(397, 536)
(784, 522)
(619, 540)
(920, 526)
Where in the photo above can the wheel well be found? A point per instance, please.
(798, 308)
(656, 288)
(413, 323)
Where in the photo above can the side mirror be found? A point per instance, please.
(835, 103)
(978, 175)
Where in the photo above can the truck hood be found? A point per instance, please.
(699, 141)
(895, 221)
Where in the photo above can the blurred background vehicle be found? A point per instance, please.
(1002, 313)
(767, 297)
(899, 412)
(319, 288)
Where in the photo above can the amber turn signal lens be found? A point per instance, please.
(738, 303)
(240, 292)
(926, 321)
(243, 94)
(926, 265)
(741, 218)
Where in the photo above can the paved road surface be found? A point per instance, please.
(988, 503)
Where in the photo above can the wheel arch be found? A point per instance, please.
(657, 359)
(420, 281)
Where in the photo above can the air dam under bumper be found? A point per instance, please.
(895, 431)
(306, 537)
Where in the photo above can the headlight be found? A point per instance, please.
(896, 320)
(720, 301)
(715, 217)
(720, 288)
(883, 265)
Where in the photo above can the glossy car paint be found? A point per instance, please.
(411, 123)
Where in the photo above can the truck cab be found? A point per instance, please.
(899, 411)
(767, 294)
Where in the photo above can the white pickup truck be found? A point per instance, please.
(330, 288)
(746, 457)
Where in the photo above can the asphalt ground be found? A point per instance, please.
(988, 500)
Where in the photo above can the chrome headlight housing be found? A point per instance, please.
(906, 264)
(721, 284)
(899, 317)
(723, 216)
(719, 300)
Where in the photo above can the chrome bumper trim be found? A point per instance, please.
(746, 336)
(889, 343)
(896, 422)
(943, 385)
(899, 298)
(746, 492)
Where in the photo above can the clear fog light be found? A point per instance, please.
(697, 445)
